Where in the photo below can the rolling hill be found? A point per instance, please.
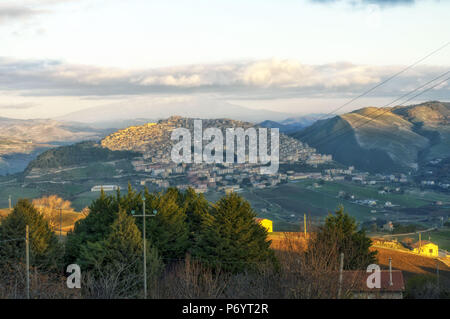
(154, 139)
(77, 154)
(22, 140)
(384, 139)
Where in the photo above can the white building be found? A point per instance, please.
(106, 188)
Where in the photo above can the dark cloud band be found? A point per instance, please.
(264, 79)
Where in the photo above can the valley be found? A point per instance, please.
(308, 181)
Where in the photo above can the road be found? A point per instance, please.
(407, 234)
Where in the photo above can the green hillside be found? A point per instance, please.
(384, 140)
(76, 154)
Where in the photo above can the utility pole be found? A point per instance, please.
(60, 224)
(341, 269)
(27, 257)
(145, 249)
(144, 243)
(304, 224)
(390, 272)
(9, 201)
(420, 242)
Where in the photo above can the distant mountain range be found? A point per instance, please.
(397, 139)
(293, 124)
(22, 140)
(114, 114)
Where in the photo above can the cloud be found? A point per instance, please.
(25, 9)
(17, 106)
(9, 13)
(264, 79)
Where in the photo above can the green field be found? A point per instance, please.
(17, 192)
(85, 199)
(285, 204)
(371, 192)
(297, 199)
(301, 197)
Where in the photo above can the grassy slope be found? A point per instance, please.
(386, 132)
(300, 198)
(380, 140)
(412, 264)
(295, 198)
(333, 188)
(17, 192)
(336, 136)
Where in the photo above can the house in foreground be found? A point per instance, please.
(354, 285)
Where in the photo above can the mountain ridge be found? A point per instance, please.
(384, 139)
(161, 109)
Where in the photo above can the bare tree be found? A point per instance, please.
(49, 207)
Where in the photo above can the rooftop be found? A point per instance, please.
(356, 280)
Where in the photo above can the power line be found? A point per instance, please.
(379, 115)
(405, 95)
(388, 104)
(381, 83)
(382, 113)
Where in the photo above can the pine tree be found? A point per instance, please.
(45, 251)
(93, 228)
(231, 239)
(340, 232)
(168, 230)
(120, 255)
(197, 212)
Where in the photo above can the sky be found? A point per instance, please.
(293, 56)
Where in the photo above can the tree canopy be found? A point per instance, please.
(340, 233)
(45, 251)
(231, 239)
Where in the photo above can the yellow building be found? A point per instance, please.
(266, 223)
(426, 248)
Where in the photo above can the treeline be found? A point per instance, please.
(184, 223)
(194, 249)
(76, 154)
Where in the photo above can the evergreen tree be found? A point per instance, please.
(45, 251)
(197, 212)
(231, 239)
(120, 255)
(168, 230)
(93, 228)
(340, 233)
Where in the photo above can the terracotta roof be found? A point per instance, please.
(258, 220)
(357, 281)
(418, 244)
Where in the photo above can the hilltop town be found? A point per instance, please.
(153, 141)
